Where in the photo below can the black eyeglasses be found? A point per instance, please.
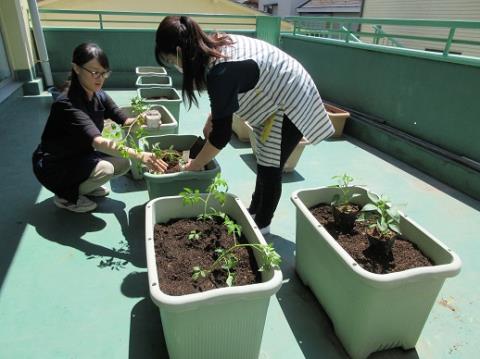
(97, 75)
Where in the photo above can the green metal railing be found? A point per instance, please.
(371, 33)
(103, 19)
(381, 37)
(265, 27)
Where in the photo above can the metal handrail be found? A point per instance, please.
(304, 24)
(102, 21)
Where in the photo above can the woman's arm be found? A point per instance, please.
(207, 153)
(110, 148)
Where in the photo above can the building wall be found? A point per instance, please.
(17, 38)
(428, 9)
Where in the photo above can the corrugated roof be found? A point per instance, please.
(330, 4)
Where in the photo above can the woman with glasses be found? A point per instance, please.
(258, 82)
(73, 160)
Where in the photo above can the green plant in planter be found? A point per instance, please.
(226, 259)
(138, 105)
(383, 222)
(133, 132)
(344, 211)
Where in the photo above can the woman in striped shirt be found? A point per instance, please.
(256, 81)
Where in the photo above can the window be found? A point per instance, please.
(271, 9)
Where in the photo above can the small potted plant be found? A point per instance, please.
(229, 317)
(344, 210)
(383, 223)
(173, 182)
(369, 310)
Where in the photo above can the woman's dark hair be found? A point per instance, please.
(197, 48)
(86, 52)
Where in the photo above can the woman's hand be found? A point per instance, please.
(191, 166)
(208, 126)
(154, 163)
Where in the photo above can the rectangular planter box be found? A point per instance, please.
(292, 160)
(153, 81)
(220, 323)
(171, 184)
(168, 97)
(369, 312)
(241, 129)
(150, 70)
(169, 126)
(338, 118)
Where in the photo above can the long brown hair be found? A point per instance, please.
(197, 49)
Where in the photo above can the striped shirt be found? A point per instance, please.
(284, 88)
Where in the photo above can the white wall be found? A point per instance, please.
(428, 9)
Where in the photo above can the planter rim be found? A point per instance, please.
(171, 89)
(178, 175)
(442, 270)
(157, 107)
(168, 83)
(213, 296)
(340, 112)
(150, 70)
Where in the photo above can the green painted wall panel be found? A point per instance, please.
(126, 49)
(452, 173)
(432, 100)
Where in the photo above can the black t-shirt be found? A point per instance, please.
(75, 121)
(224, 82)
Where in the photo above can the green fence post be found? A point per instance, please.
(268, 29)
(449, 41)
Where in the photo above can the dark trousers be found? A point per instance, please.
(268, 187)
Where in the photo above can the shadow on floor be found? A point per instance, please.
(45, 217)
(288, 177)
(126, 184)
(237, 144)
(146, 334)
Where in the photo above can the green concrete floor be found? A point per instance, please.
(75, 285)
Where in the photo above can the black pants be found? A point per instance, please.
(268, 187)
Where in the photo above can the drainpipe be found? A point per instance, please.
(40, 42)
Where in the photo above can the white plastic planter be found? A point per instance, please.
(166, 96)
(217, 323)
(292, 160)
(241, 129)
(154, 81)
(150, 70)
(370, 312)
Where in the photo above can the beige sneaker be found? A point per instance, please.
(83, 204)
(101, 191)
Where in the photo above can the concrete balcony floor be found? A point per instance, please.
(75, 285)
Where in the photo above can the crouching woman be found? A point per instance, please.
(73, 160)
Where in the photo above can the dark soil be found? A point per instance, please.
(405, 254)
(176, 256)
(171, 158)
